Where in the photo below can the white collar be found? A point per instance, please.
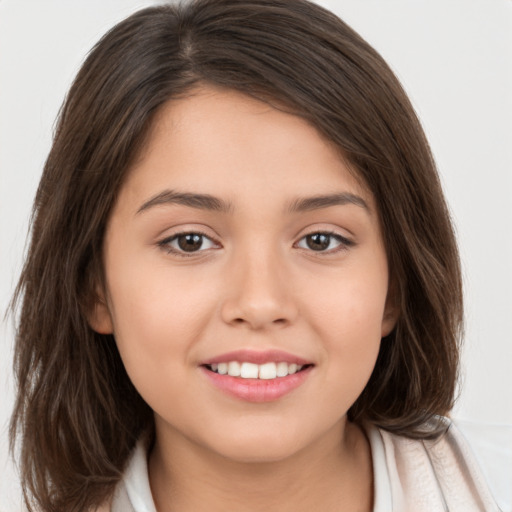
(136, 479)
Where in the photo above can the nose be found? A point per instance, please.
(258, 293)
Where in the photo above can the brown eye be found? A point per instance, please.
(318, 241)
(324, 242)
(182, 243)
(190, 242)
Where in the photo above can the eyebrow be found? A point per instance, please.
(212, 203)
(200, 201)
(325, 201)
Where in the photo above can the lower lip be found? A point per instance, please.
(257, 390)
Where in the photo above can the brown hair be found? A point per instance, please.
(77, 413)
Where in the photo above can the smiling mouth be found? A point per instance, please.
(266, 371)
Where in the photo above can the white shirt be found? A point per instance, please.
(409, 476)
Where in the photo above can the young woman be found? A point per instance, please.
(243, 290)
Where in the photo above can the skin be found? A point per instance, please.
(254, 283)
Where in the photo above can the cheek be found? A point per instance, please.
(157, 314)
(351, 304)
(356, 334)
(347, 316)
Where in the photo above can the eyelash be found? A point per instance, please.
(344, 243)
(165, 243)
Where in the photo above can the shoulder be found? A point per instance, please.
(433, 474)
(119, 502)
(106, 506)
(491, 444)
(133, 492)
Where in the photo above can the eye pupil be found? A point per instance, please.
(318, 241)
(190, 243)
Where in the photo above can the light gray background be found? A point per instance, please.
(454, 58)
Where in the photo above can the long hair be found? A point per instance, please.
(77, 415)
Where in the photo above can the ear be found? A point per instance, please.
(391, 310)
(99, 316)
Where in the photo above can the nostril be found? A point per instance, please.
(277, 321)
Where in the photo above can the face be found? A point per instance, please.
(242, 243)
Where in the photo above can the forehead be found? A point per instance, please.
(220, 142)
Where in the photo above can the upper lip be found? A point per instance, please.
(257, 357)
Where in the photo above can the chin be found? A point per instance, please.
(259, 453)
(267, 446)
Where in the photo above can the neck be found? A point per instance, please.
(332, 474)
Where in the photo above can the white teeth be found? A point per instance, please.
(268, 371)
(265, 371)
(282, 369)
(249, 371)
(234, 369)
